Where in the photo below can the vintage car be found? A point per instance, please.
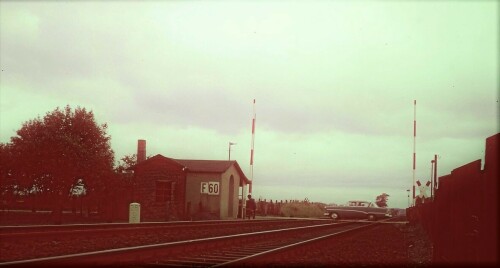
(357, 210)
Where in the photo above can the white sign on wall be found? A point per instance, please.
(211, 187)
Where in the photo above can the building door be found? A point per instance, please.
(230, 203)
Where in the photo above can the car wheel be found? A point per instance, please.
(334, 216)
(371, 217)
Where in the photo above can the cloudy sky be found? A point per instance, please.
(334, 83)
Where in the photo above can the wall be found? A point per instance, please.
(146, 175)
(215, 204)
(463, 217)
(225, 202)
(201, 202)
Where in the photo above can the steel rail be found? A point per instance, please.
(241, 261)
(34, 228)
(49, 244)
(40, 231)
(243, 255)
(140, 254)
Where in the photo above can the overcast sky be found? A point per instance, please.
(334, 83)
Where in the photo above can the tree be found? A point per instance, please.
(126, 162)
(61, 149)
(8, 185)
(381, 200)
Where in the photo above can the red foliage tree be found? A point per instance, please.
(52, 153)
(7, 179)
(126, 162)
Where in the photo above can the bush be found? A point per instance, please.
(302, 210)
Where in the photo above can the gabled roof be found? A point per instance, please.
(154, 158)
(209, 166)
(201, 166)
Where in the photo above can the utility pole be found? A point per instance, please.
(435, 171)
(408, 190)
(434, 181)
(432, 175)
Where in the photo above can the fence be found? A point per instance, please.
(462, 219)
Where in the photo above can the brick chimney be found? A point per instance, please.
(141, 151)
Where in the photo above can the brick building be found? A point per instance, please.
(171, 189)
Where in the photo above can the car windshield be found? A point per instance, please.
(365, 204)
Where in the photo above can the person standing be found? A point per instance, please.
(251, 206)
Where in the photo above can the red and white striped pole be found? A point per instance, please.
(414, 142)
(252, 148)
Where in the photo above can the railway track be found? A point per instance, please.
(19, 243)
(35, 230)
(229, 250)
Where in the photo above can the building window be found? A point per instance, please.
(163, 191)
